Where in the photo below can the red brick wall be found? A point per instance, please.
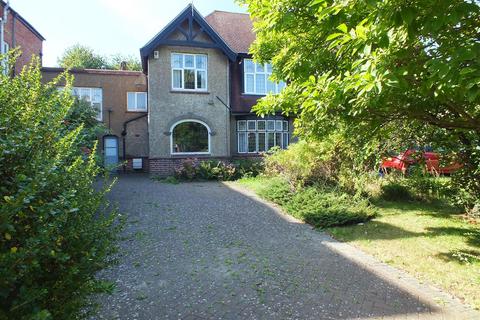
(29, 43)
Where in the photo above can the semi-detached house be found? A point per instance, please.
(192, 100)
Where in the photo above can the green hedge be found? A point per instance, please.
(321, 207)
(55, 230)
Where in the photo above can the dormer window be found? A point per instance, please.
(189, 72)
(257, 78)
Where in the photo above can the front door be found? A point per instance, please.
(111, 152)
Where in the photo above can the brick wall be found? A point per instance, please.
(165, 167)
(20, 34)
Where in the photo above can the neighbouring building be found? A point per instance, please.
(19, 33)
(192, 100)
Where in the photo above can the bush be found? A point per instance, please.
(306, 163)
(318, 206)
(55, 230)
(395, 192)
(194, 169)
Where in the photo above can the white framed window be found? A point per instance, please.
(190, 137)
(137, 101)
(189, 72)
(257, 78)
(92, 95)
(256, 136)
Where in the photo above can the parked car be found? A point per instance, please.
(406, 160)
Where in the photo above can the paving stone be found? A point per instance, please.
(214, 251)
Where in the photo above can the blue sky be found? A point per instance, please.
(108, 26)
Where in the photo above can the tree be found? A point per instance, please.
(374, 68)
(131, 63)
(56, 230)
(81, 57)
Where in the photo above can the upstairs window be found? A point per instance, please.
(91, 95)
(189, 72)
(137, 101)
(257, 78)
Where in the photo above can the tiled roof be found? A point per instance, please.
(236, 29)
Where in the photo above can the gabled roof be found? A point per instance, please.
(22, 20)
(236, 29)
(191, 15)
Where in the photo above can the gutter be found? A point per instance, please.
(124, 134)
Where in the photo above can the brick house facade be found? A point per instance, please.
(201, 84)
(19, 33)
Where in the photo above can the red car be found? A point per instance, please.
(408, 158)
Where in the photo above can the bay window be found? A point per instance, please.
(255, 136)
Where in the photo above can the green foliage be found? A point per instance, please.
(194, 169)
(319, 206)
(385, 74)
(395, 192)
(131, 63)
(82, 114)
(56, 228)
(83, 57)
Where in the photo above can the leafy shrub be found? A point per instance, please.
(321, 207)
(194, 169)
(395, 192)
(306, 163)
(56, 232)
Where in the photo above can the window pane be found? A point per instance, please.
(270, 140)
(278, 125)
(281, 85)
(249, 84)
(260, 84)
(141, 101)
(190, 137)
(252, 142)
(131, 101)
(241, 125)
(189, 61)
(85, 94)
(259, 67)
(285, 125)
(249, 66)
(251, 125)
(201, 80)
(271, 125)
(98, 107)
(269, 68)
(201, 62)
(285, 141)
(242, 142)
(278, 139)
(189, 82)
(261, 125)
(271, 87)
(261, 142)
(177, 79)
(177, 61)
(97, 95)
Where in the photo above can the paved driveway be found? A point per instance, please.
(209, 251)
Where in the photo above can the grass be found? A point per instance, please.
(430, 241)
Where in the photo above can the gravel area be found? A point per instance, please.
(210, 251)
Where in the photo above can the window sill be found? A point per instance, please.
(253, 95)
(137, 111)
(190, 155)
(190, 92)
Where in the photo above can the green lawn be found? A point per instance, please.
(430, 241)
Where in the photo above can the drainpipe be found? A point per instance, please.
(124, 135)
(3, 22)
